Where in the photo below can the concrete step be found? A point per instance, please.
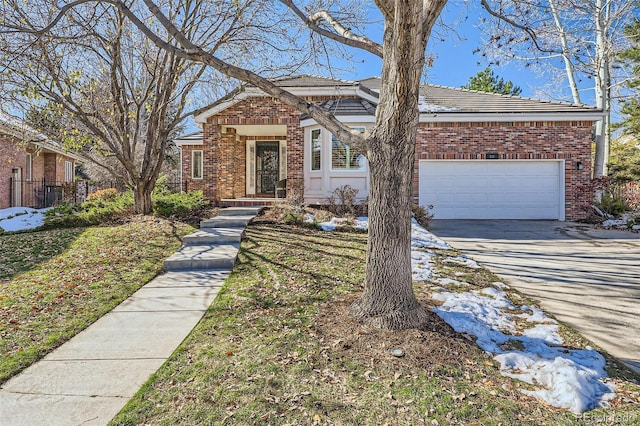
(209, 236)
(218, 256)
(239, 211)
(226, 222)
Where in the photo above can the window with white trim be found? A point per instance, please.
(29, 167)
(196, 164)
(344, 157)
(68, 171)
(316, 150)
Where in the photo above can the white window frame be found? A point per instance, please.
(311, 151)
(68, 171)
(28, 170)
(199, 162)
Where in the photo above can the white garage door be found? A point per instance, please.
(493, 189)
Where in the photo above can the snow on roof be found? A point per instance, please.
(425, 106)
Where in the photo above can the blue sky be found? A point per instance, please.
(452, 49)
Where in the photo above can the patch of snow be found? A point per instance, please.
(568, 378)
(500, 285)
(623, 222)
(421, 238)
(328, 226)
(536, 315)
(425, 106)
(308, 218)
(21, 218)
(450, 282)
(361, 223)
(616, 223)
(421, 262)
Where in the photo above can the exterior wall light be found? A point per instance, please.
(579, 165)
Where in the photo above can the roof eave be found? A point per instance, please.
(478, 117)
(351, 89)
(183, 142)
(48, 147)
(343, 118)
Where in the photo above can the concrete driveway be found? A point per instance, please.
(587, 277)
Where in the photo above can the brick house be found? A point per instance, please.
(32, 167)
(478, 155)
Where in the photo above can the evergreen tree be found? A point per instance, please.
(487, 81)
(631, 56)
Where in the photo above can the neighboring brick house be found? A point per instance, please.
(32, 167)
(478, 155)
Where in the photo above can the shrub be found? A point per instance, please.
(610, 197)
(422, 215)
(91, 212)
(612, 204)
(103, 195)
(162, 186)
(342, 201)
(179, 204)
(293, 219)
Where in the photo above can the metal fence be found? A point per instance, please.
(44, 193)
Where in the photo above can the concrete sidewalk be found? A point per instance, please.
(91, 377)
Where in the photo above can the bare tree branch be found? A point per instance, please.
(530, 32)
(341, 34)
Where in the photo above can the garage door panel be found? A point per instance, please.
(501, 189)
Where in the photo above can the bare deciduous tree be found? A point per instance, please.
(584, 35)
(121, 98)
(388, 299)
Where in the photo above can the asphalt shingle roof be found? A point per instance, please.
(469, 101)
(348, 106)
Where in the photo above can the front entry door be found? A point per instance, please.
(267, 163)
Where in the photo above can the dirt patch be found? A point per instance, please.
(430, 350)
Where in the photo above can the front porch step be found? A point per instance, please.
(209, 236)
(226, 222)
(240, 211)
(248, 202)
(219, 256)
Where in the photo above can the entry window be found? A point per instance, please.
(344, 157)
(316, 149)
(29, 168)
(196, 164)
(68, 171)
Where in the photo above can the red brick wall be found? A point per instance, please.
(570, 141)
(12, 155)
(192, 184)
(225, 155)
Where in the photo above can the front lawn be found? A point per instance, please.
(277, 346)
(57, 282)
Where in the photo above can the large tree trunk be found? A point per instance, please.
(142, 198)
(388, 300)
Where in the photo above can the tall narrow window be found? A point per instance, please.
(29, 168)
(196, 164)
(344, 157)
(68, 171)
(316, 149)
